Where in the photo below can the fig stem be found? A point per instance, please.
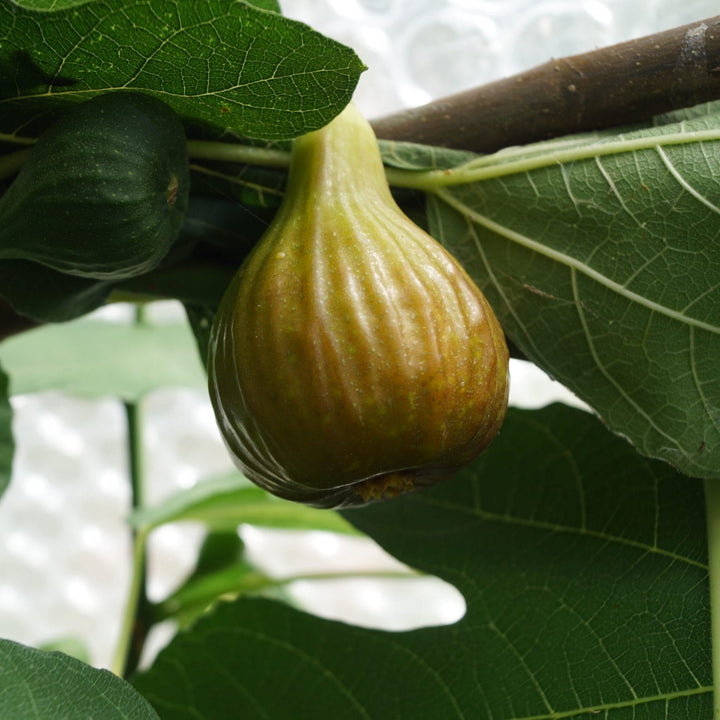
(712, 504)
(238, 153)
(135, 625)
(119, 664)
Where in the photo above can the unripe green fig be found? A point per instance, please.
(104, 191)
(352, 358)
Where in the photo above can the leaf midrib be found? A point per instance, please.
(497, 165)
(635, 702)
(546, 526)
(573, 263)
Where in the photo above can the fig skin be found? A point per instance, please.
(103, 193)
(352, 358)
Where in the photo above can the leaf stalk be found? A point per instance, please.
(238, 153)
(712, 503)
(136, 616)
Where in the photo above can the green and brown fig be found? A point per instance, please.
(352, 358)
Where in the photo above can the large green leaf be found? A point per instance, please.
(48, 5)
(225, 502)
(55, 5)
(229, 64)
(601, 256)
(92, 358)
(583, 566)
(39, 685)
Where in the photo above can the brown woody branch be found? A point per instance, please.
(618, 85)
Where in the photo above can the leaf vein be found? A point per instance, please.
(597, 709)
(603, 369)
(713, 416)
(574, 264)
(489, 516)
(684, 184)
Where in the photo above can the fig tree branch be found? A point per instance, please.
(613, 86)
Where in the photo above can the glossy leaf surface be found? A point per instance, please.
(37, 685)
(600, 255)
(228, 64)
(586, 589)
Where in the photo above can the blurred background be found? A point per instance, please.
(64, 544)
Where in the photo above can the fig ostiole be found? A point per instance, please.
(352, 358)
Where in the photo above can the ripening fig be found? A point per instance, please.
(352, 358)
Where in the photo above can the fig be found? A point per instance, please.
(352, 358)
(104, 191)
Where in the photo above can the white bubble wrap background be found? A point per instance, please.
(64, 549)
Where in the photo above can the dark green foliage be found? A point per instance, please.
(45, 295)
